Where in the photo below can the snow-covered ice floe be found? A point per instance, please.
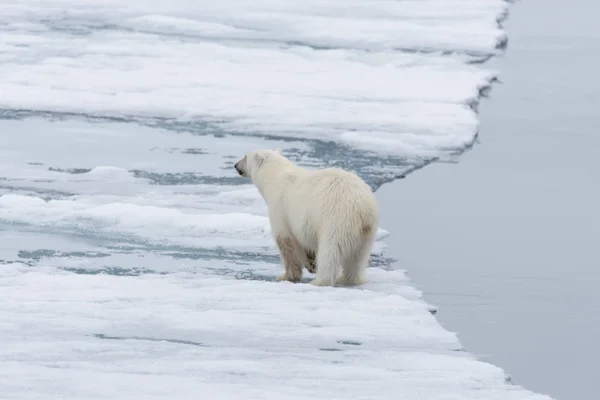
(136, 264)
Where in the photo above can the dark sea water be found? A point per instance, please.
(505, 241)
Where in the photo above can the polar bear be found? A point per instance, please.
(321, 219)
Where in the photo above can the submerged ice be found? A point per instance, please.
(135, 263)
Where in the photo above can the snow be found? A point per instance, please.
(184, 334)
(300, 69)
(135, 263)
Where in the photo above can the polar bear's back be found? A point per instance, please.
(331, 199)
(335, 183)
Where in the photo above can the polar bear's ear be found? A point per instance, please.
(278, 151)
(259, 159)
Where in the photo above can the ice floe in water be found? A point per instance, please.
(135, 263)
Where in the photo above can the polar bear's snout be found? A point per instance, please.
(240, 167)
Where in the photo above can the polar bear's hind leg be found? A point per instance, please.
(355, 267)
(329, 263)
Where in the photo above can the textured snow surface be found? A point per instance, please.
(136, 264)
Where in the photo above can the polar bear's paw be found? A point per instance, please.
(320, 282)
(343, 281)
(311, 262)
(286, 277)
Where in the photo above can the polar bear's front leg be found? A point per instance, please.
(311, 264)
(292, 257)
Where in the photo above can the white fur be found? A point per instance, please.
(330, 212)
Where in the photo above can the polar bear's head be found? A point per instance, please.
(255, 161)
